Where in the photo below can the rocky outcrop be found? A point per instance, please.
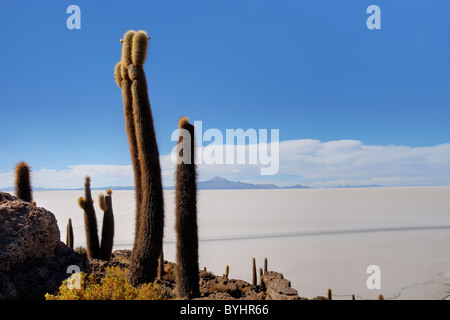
(119, 259)
(33, 260)
(212, 287)
(222, 288)
(278, 288)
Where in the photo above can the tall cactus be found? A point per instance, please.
(186, 213)
(124, 82)
(107, 241)
(69, 234)
(149, 196)
(23, 182)
(90, 221)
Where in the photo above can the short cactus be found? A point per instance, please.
(90, 221)
(265, 265)
(69, 234)
(107, 241)
(254, 279)
(161, 265)
(23, 182)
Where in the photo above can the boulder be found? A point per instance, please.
(33, 260)
(278, 288)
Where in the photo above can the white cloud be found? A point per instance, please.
(73, 177)
(352, 162)
(308, 162)
(347, 162)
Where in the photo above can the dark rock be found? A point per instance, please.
(33, 260)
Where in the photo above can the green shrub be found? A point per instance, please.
(114, 286)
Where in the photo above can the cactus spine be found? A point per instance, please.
(23, 184)
(145, 157)
(265, 265)
(69, 234)
(108, 226)
(186, 213)
(330, 296)
(90, 221)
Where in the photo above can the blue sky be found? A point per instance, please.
(311, 69)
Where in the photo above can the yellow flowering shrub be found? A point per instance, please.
(114, 286)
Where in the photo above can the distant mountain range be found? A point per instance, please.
(360, 186)
(215, 183)
(218, 183)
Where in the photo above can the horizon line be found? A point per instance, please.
(131, 188)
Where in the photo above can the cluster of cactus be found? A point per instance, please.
(94, 250)
(130, 77)
(261, 272)
(147, 251)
